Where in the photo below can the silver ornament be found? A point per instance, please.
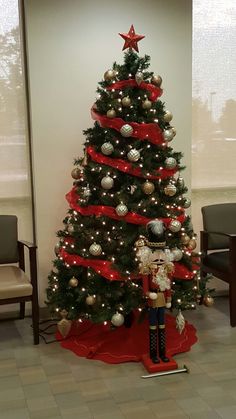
(147, 104)
(139, 77)
(95, 249)
(70, 228)
(133, 155)
(168, 135)
(86, 192)
(126, 130)
(180, 182)
(177, 254)
(57, 248)
(117, 319)
(107, 148)
(107, 182)
(187, 203)
(175, 226)
(180, 322)
(168, 116)
(121, 210)
(109, 75)
(170, 163)
(170, 190)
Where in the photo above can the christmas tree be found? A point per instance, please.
(129, 175)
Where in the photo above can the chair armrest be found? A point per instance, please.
(32, 259)
(220, 233)
(27, 244)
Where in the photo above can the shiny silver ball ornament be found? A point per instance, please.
(168, 116)
(107, 182)
(156, 80)
(168, 135)
(177, 254)
(126, 130)
(109, 75)
(95, 249)
(139, 77)
(133, 155)
(187, 203)
(90, 300)
(73, 282)
(107, 148)
(175, 226)
(111, 113)
(170, 163)
(126, 102)
(147, 104)
(180, 182)
(121, 210)
(148, 187)
(117, 319)
(170, 190)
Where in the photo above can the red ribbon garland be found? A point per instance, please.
(126, 167)
(154, 91)
(103, 210)
(150, 132)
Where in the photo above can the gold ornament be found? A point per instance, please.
(168, 116)
(208, 300)
(147, 104)
(156, 80)
(126, 130)
(64, 325)
(90, 300)
(141, 241)
(126, 102)
(76, 173)
(175, 226)
(109, 75)
(185, 239)
(73, 282)
(107, 148)
(192, 244)
(121, 210)
(111, 113)
(133, 155)
(95, 249)
(148, 187)
(170, 190)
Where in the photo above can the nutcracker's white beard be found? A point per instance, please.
(161, 279)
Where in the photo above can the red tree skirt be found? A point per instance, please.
(124, 344)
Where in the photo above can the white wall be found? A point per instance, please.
(70, 46)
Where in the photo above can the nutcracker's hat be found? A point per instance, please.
(156, 233)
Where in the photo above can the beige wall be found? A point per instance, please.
(70, 45)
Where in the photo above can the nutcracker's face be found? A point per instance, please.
(158, 257)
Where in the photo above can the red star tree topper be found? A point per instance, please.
(131, 39)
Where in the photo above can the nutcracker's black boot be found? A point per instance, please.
(153, 344)
(162, 343)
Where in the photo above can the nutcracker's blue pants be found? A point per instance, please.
(156, 316)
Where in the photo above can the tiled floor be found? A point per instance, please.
(47, 381)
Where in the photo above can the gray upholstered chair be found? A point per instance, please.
(218, 247)
(15, 286)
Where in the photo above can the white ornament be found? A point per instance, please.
(139, 77)
(133, 155)
(95, 249)
(177, 254)
(121, 210)
(168, 135)
(107, 148)
(170, 189)
(170, 163)
(107, 182)
(175, 226)
(126, 130)
(180, 322)
(117, 319)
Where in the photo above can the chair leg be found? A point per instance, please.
(35, 321)
(22, 309)
(232, 305)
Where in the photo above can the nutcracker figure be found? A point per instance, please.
(156, 269)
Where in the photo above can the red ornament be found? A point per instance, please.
(131, 39)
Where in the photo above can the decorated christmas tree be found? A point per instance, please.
(129, 175)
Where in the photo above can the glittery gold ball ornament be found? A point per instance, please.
(187, 203)
(107, 148)
(121, 210)
(117, 319)
(168, 116)
(73, 282)
(126, 130)
(109, 75)
(95, 249)
(168, 135)
(146, 104)
(156, 80)
(148, 187)
(133, 155)
(111, 113)
(170, 163)
(126, 102)
(139, 77)
(170, 190)
(76, 173)
(208, 300)
(185, 239)
(107, 182)
(90, 300)
(192, 244)
(177, 254)
(175, 226)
